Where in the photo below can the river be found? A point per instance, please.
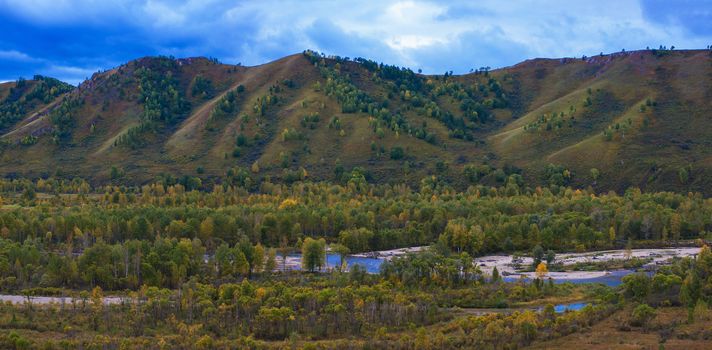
(505, 263)
(371, 262)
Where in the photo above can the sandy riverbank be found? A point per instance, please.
(389, 254)
(505, 264)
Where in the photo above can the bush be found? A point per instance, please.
(202, 87)
(397, 153)
(641, 315)
(637, 286)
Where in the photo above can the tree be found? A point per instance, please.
(343, 251)
(637, 286)
(397, 153)
(313, 254)
(628, 254)
(95, 264)
(97, 301)
(541, 270)
(550, 257)
(701, 312)
(683, 174)
(595, 174)
(457, 235)
(526, 325)
(641, 315)
(495, 275)
(675, 226)
(258, 258)
(612, 234)
(537, 254)
(240, 264)
(224, 259)
(248, 250)
(271, 262)
(207, 229)
(284, 250)
(202, 87)
(357, 240)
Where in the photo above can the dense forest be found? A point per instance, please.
(67, 234)
(197, 268)
(176, 228)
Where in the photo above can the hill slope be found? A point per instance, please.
(639, 118)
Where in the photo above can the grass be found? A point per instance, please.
(669, 329)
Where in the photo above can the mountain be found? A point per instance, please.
(640, 118)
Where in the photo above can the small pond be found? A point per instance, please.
(569, 307)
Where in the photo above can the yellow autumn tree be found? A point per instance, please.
(207, 229)
(541, 270)
(287, 203)
(97, 301)
(611, 234)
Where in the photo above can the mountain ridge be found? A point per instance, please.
(638, 118)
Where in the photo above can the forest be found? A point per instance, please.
(205, 268)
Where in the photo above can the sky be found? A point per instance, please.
(71, 39)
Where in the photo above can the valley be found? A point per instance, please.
(324, 202)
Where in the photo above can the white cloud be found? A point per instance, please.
(163, 14)
(70, 74)
(15, 55)
(405, 42)
(428, 34)
(66, 11)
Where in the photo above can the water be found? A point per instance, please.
(612, 279)
(372, 265)
(561, 308)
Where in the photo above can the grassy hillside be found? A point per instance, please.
(639, 118)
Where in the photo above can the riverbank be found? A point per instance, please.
(369, 260)
(510, 265)
(40, 300)
(558, 308)
(390, 254)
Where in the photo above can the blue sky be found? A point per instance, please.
(71, 39)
